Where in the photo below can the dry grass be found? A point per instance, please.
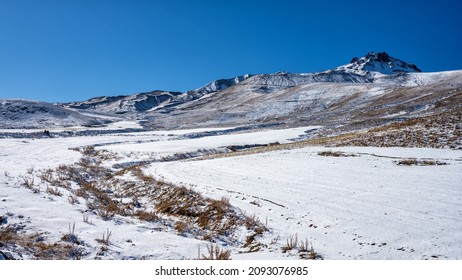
(46, 175)
(181, 227)
(105, 191)
(441, 130)
(413, 161)
(53, 191)
(106, 239)
(90, 151)
(149, 216)
(87, 220)
(214, 253)
(291, 243)
(34, 246)
(28, 182)
(305, 248)
(71, 237)
(334, 154)
(73, 199)
(306, 251)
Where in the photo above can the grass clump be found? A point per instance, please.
(34, 245)
(414, 161)
(305, 248)
(334, 154)
(214, 253)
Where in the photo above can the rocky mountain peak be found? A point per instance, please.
(380, 62)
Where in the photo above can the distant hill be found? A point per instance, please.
(18, 113)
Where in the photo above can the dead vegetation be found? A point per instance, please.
(34, 245)
(214, 252)
(291, 243)
(304, 248)
(105, 242)
(54, 191)
(334, 154)
(71, 237)
(28, 182)
(106, 239)
(129, 192)
(441, 130)
(413, 161)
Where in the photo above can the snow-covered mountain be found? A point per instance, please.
(377, 62)
(371, 90)
(360, 70)
(18, 113)
(341, 95)
(367, 69)
(140, 102)
(221, 84)
(147, 102)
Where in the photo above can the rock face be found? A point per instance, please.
(221, 84)
(6, 256)
(378, 62)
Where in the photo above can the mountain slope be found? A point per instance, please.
(377, 68)
(372, 90)
(145, 102)
(331, 98)
(17, 113)
(221, 84)
(136, 103)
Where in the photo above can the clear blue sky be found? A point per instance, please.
(73, 50)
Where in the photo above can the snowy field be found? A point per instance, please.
(360, 206)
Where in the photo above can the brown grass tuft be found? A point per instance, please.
(214, 253)
(35, 246)
(413, 161)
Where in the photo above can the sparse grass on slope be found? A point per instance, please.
(443, 130)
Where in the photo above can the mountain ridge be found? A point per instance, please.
(342, 74)
(290, 98)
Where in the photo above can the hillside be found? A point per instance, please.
(368, 92)
(17, 113)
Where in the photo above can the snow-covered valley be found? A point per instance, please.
(345, 202)
(363, 161)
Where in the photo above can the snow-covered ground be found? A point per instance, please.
(111, 126)
(53, 215)
(190, 145)
(364, 207)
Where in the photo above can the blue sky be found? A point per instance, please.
(61, 51)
